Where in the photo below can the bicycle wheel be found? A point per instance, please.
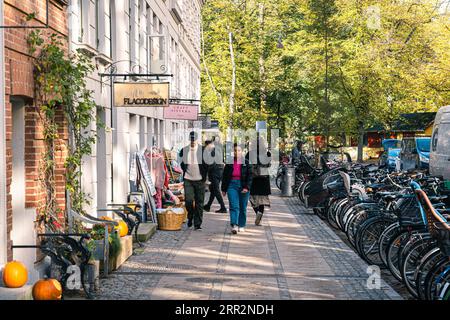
(301, 192)
(435, 276)
(338, 212)
(354, 224)
(347, 206)
(347, 216)
(331, 216)
(393, 252)
(278, 180)
(369, 239)
(411, 260)
(444, 293)
(370, 216)
(425, 265)
(385, 237)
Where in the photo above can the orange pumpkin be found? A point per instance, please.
(15, 274)
(122, 228)
(107, 219)
(47, 289)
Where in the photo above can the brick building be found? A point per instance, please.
(21, 191)
(134, 36)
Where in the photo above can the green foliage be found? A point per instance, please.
(340, 69)
(60, 86)
(98, 233)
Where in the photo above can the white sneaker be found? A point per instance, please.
(234, 230)
(241, 229)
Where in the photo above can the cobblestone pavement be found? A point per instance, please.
(294, 255)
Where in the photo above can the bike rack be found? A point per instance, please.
(124, 211)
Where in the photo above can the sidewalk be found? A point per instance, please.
(294, 255)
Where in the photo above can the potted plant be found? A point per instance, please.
(96, 244)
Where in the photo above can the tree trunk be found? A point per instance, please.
(326, 98)
(360, 141)
(233, 79)
(262, 71)
(205, 65)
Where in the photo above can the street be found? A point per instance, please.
(119, 119)
(293, 255)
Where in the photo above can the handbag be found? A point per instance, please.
(261, 170)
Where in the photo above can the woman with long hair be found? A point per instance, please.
(236, 184)
(260, 189)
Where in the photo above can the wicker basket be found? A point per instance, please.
(182, 205)
(170, 221)
(185, 214)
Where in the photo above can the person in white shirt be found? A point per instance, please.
(195, 172)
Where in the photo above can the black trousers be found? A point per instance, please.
(194, 192)
(214, 188)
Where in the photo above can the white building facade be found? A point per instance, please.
(133, 37)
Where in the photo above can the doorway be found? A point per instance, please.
(23, 227)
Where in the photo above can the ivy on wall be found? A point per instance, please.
(60, 87)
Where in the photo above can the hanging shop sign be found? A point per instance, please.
(181, 112)
(141, 94)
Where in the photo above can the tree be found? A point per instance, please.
(344, 65)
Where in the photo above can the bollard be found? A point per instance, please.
(288, 182)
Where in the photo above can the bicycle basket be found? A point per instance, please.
(433, 217)
(408, 210)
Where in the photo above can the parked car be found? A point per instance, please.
(440, 144)
(391, 149)
(414, 154)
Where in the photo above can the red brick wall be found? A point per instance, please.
(19, 82)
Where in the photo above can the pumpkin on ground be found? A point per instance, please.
(47, 289)
(122, 228)
(15, 274)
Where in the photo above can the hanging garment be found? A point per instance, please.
(158, 172)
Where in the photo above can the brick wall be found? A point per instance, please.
(19, 83)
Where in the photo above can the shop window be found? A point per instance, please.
(107, 30)
(128, 29)
(158, 50)
(93, 23)
(78, 18)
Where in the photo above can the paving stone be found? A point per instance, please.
(294, 255)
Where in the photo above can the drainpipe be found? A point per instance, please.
(3, 207)
(71, 50)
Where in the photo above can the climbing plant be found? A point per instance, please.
(60, 89)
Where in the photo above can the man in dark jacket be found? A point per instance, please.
(215, 176)
(195, 171)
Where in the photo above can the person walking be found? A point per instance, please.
(195, 171)
(260, 189)
(215, 172)
(296, 152)
(236, 184)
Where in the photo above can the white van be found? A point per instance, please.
(440, 144)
